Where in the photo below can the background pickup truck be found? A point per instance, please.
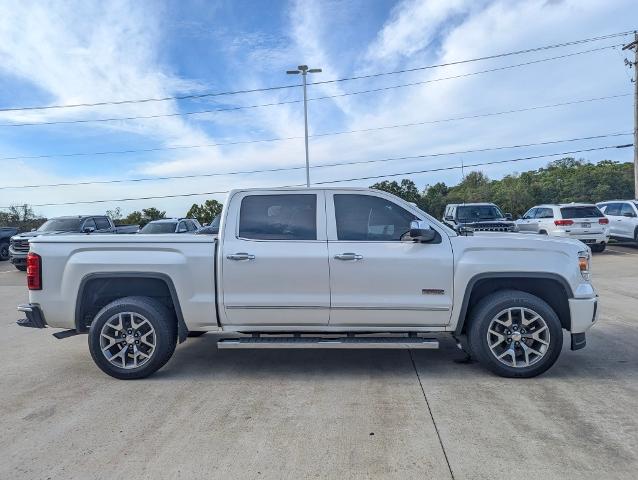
(19, 246)
(314, 268)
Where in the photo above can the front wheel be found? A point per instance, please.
(515, 334)
(132, 337)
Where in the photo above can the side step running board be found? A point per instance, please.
(323, 342)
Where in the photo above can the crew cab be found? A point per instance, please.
(19, 246)
(315, 268)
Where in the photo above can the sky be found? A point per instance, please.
(74, 52)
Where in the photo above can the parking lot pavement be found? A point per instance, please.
(331, 414)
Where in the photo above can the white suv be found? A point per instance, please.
(582, 221)
(623, 218)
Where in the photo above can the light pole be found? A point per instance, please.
(304, 70)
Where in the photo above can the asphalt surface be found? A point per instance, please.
(323, 414)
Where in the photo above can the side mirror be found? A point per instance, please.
(88, 230)
(421, 232)
(509, 216)
(449, 218)
(33, 229)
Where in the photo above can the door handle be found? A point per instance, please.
(240, 256)
(348, 256)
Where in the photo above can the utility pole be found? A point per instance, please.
(634, 46)
(304, 70)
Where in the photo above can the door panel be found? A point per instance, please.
(385, 282)
(279, 274)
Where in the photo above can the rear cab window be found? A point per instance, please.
(278, 217)
(584, 211)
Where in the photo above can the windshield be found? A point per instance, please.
(475, 213)
(581, 212)
(164, 227)
(61, 225)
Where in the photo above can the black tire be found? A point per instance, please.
(161, 319)
(598, 247)
(4, 250)
(195, 334)
(488, 308)
(22, 268)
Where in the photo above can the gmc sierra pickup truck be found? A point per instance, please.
(314, 268)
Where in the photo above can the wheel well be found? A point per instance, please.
(95, 293)
(550, 290)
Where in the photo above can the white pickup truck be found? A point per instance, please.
(314, 268)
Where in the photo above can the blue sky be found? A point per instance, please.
(74, 52)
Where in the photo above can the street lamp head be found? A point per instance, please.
(293, 72)
(314, 70)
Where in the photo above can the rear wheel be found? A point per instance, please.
(598, 247)
(132, 337)
(4, 251)
(515, 334)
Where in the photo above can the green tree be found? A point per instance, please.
(143, 217)
(205, 212)
(406, 189)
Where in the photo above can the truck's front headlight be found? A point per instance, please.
(583, 264)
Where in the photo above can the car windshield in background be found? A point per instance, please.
(164, 227)
(61, 225)
(474, 213)
(580, 212)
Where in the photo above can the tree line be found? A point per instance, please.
(562, 181)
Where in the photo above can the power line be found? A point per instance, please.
(283, 169)
(343, 132)
(326, 97)
(489, 57)
(282, 87)
(474, 164)
(88, 202)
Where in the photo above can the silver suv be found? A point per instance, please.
(623, 218)
(582, 221)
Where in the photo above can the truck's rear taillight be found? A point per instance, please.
(563, 223)
(34, 271)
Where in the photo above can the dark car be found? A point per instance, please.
(19, 244)
(471, 217)
(5, 238)
(210, 229)
(171, 225)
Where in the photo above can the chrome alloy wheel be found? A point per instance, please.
(127, 340)
(518, 337)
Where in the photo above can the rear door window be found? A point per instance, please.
(278, 217)
(545, 213)
(581, 212)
